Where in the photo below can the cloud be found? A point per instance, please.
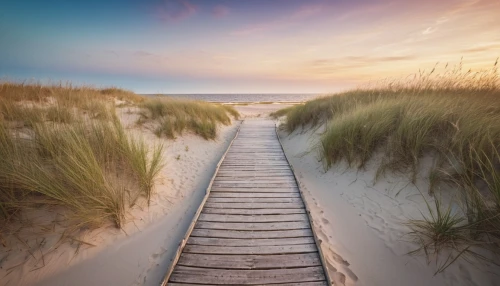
(143, 54)
(303, 13)
(329, 65)
(482, 48)
(449, 14)
(429, 30)
(220, 11)
(175, 10)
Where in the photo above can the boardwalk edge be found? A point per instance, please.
(308, 212)
(197, 214)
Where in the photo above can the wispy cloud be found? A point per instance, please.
(303, 13)
(360, 60)
(341, 64)
(175, 10)
(142, 54)
(483, 48)
(449, 14)
(429, 30)
(220, 11)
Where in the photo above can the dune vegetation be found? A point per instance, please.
(452, 116)
(65, 146)
(174, 116)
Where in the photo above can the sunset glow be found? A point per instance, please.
(193, 46)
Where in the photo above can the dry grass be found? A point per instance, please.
(453, 116)
(63, 94)
(174, 116)
(70, 150)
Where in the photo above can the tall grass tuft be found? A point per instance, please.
(174, 116)
(93, 169)
(454, 116)
(71, 151)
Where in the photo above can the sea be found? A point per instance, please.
(245, 98)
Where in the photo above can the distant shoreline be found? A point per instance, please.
(244, 99)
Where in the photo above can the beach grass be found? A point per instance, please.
(174, 116)
(452, 116)
(63, 93)
(65, 146)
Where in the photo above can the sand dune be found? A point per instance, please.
(139, 253)
(361, 224)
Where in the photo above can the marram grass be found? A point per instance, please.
(453, 116)
(65, 146)
(174, 116)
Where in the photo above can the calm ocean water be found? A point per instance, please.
(239, 98)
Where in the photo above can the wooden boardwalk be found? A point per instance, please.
(253, 228)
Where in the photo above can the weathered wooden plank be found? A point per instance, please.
(243, 250)
(221, 233)
(253, 211)
(253, 226)
(249, 180)
(257, 183)
(255, 190)
(284, 179)
(248, 150)
(277, 166)
(252, 218)
(254, 174)
(254, 195)
(257, 167)
(253, 185)
(254, 169)
(254, 200)
(255, 163)
(322, 283)
(254, 205)
(250, 261)
(256, 158)
(249, 277)
(258, 154)
(249, 242)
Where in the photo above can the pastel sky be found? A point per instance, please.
(241, 46)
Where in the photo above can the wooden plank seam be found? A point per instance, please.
(197, 214)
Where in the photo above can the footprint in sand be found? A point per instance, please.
(349, 273)
(338, 279)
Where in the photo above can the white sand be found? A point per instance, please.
(361, 223)
(140, 253)
(259, 110)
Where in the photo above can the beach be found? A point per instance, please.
(362, 223)
(140, 252)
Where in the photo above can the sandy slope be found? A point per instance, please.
(140, 253)
(361, 223)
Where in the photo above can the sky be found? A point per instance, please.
(241, 46)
